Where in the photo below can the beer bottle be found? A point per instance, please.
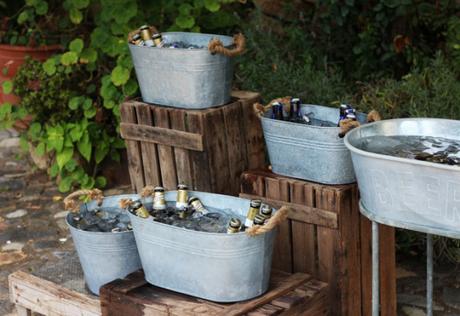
(159, 202)
(266, 211)
(158, 40)
(252, 212)
(234, 226)
(259, 220)
(137, 40)
(182, 197)
(139, 209)
(294, 110)
(146, 35)
(196, 205)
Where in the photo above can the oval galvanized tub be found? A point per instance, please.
(214, 266)
(184, 78)
(406, 192)
(308, 152)
(105, 257)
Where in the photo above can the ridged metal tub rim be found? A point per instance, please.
(361, 152)
(227, 41)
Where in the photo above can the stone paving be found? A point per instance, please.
(33, 233)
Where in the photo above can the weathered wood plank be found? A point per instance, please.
(182, 156)
(149, 152)
(282, 252)
(42, 296)
(301, 213)
(303, 233)
(292, 282)
(199, 160)
(136, 173)
(165, 153)
(255, 144)
(163, 136)
(387, 271)
(236, 147)
(215, 139)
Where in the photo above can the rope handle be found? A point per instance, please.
(153, 30)
(279, 217)
(347, 125)
(216, 46)
(70, 203)
(125, 203)
(260, 109)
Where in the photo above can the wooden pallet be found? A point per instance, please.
(327, 237)
(289, 294)
(206, 149)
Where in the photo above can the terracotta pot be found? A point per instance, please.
(12, 57)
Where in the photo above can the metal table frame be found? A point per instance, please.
(430, 231)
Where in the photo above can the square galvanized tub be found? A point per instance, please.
(214, 266)
(184, 78)
(308, 152)
(105, 257)
(404, 192)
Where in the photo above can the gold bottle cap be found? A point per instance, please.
(158, 189)
(182, 187)
(266, 209)
(259, 220)
(234, 223)
(256, 203)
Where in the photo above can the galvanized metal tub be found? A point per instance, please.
(105, 257)
(184, 78)
(308, 152)
(214, 266)
(405, 192)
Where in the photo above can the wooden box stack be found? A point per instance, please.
(205, 149)
(296, 294)
(326, 236)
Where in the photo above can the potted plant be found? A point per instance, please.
(26, 29)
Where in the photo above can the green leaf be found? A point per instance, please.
(40, 149)
(65, 184)
(212, 5)
(23, 17)
(80, 4)
(75, 16)
(54, 170)
(69, 58)
(55, 138)
(185, 21)
(84, 147)
(101, 182)
(64, 156)
(32, 3)
(76, 45)
(88, 55)
(87, 104)
(34, 130)
(7, 86)
(101, 152)
(49, 66)
(90, 113)
(75, 102)
(109, 104)
(5, 110)
(71, 165)
(41, 8)
(76, 133)
(185, 9)
(119, 76)
(130, 88)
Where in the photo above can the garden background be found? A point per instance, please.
(401, 57)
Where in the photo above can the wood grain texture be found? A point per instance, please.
(182, 156)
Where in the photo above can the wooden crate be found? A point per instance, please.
(327, 237)
(289, 294)
(206, 149)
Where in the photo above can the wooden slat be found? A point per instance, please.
(163, 136)
(387, 271)
(149, 151)
(301, 213)
(199, 160)
(22, 311)
(252, 184)
(136, 173)
(266, 310)
(215, 139)
(165, 153)
(282, 252)
(348, 253)
(236, 147)
(42, 296)
(366, 265)
(252, 128)
(328, 244)
(182, 156)
(291, 282)
(303, 234)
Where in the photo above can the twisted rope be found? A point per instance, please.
(70, 203)
(279, 217)
(216, 46)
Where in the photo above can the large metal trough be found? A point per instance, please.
(215, 266)
(309, 152)
(403, 192)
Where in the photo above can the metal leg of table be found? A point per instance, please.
(429, 275)
(375, 269)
